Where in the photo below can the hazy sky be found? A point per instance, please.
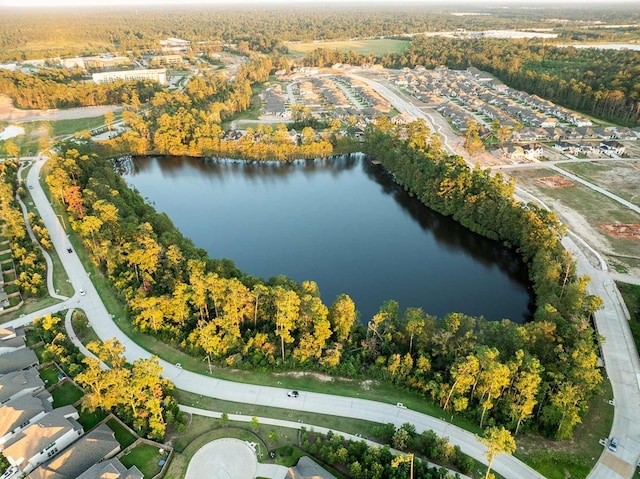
(477, 3)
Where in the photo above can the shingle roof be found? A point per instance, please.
(13, 384)
(17, 359)
(20, 410)
(111, 469)
(38, 436)
(95, 446)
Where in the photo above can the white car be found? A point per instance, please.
(82, 292)
(9, 472)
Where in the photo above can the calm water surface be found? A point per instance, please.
(340, 222)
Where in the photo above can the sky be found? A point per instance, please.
(104, 3)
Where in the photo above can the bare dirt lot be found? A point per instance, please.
(631, 231)
(555, 182)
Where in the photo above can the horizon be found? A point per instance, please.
(27, 4)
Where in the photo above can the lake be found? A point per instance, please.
(341, 222)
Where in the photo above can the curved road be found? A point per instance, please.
(618, 350)
(105, 328)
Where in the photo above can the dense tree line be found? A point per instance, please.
(29, 262)
(189, 122)
(61, 88)
(550, 363)
(74, 32)
(543, 372)
(357, 460)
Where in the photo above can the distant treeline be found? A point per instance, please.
(52, 33)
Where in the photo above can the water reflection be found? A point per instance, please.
(342, 222)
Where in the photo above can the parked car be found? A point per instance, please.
(613, 444)
(68, 250)
(9, 472)
(82, 292)
(293, 394)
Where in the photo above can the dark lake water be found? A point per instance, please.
(341, 222)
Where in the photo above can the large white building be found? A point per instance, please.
(158, 75)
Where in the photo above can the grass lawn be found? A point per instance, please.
(82, 328)
(554, 459)
(348, 425)
(254, 110)
(376, 47)
(49, 375)
(631, 296)
(66, 394)
(123, 435)
(145, 457)
(29, 307)
(91, 419)
(29, 143)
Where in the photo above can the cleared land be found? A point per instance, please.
(619, 177)
(376, 47)
(584, 211)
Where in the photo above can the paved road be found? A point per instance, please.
(105, 328)
(619, 354)
(618, 350)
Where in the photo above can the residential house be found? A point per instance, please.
(17, 359)
(549, 123)
(10, 341)
(532, 151)
(21, 412)
(20, 383)
(97, 445)
(41, 441)
(612, 147)
(111, 469)
(566, 147)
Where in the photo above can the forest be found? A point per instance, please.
(69, 32)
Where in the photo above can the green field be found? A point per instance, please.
(375, 47)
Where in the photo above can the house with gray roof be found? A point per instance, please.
(10, 340)
(111, 469)
(20, 383)
(18, 414)
(99, 444)
(41, 441)
(17, 359)
(7, 333)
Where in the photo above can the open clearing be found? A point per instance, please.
(619, 177)
(375, 47)
(584, 211)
